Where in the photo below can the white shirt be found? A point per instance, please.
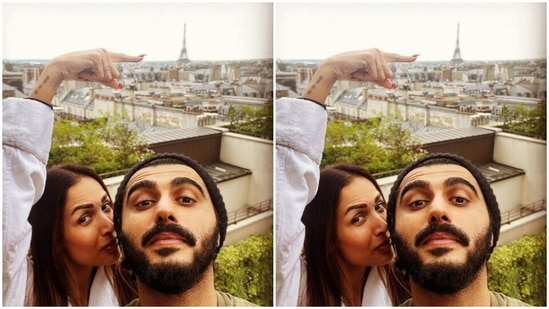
(300, 133)
(27, 128)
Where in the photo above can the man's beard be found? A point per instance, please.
(169, 277)
(443, 277)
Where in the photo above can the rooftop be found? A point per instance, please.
(494, 171)
(443, 135)
(178, 134)
(222, 171)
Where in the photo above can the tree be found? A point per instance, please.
(525, 121)
(401, 146)
(104, 144)
(351, 142)
(377, 144)
(252, 121)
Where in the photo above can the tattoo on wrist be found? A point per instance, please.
(41, 84)
(320, 78)
(313, 86)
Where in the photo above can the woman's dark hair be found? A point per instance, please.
(50, 284)
(324, 280)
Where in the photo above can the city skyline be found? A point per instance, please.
(488, 31)
(215, 31)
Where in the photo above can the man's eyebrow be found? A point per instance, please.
(147, 184)
(458, 180)
(420, 184)
(178, 181)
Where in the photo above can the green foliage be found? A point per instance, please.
(252, 121)
(246, 269)
(519, 269)
(400, 145)
(525, 121)
(379, 145)
(105, 145)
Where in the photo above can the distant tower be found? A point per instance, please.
(183, 58)
(456, 59)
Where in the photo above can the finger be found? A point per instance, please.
(380, 68)
(387, 83)
(388, 73)
(113, 83)
(376, 70)
(113, 70)
(99, 69)
(107, 70)
(118, 57)
(392, 57)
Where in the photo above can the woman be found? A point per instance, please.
(347, 249)
(27, 126)
(78, 255)
(300, 133)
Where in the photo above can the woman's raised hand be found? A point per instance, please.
(97, 65)
(369, 65)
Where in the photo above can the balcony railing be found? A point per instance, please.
(250, 211)
(522, 211)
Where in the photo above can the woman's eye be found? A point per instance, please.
(107, 206)
(357, 219)
(84, 219)
(380, 207)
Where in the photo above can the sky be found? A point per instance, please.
(244, 30)
(215, 31)
(488, 31)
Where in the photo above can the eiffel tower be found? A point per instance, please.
(183, 58)
(456, 59)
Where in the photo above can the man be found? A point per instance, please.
(444, 222)
(171, 222)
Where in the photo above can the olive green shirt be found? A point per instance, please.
(223, 300)
(496, 300)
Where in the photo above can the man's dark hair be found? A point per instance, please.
(174, 158)
(448, 158)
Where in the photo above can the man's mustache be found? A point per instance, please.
(445, 228)
(171, 228)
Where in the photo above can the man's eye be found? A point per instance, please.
(186, 200)
(417, 204)
(460, 200)
(144, 204)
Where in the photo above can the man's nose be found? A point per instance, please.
(439, 210)
(165, 211)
